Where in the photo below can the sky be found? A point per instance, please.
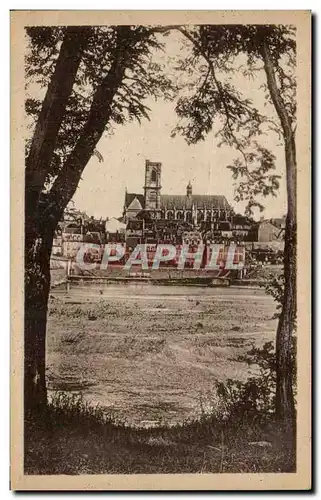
(102, 188)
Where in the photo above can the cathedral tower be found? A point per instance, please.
(152, 185)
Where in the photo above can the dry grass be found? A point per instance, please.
(74, 438)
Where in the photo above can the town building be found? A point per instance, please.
(271, 230)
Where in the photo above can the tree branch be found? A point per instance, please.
(67, 180)
(275, 93)
(53, 111)
(218, 86)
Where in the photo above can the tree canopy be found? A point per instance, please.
(219, 56)
(142, 78)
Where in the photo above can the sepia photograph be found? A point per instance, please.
(160, 184)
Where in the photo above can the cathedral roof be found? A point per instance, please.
(199, 200)
(180, 202)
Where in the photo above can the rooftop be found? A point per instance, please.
(170, 201)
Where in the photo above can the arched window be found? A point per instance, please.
(154, 176)
(189, 216)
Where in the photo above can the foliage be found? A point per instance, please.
(75, 439)
(72, 407)
(144, 78)
(274, 286)
(219, 55)
(255, 398)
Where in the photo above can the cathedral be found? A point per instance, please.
(195, 209)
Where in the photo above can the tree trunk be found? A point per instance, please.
(39, 232)
(285, 408)
(99, 115)
(43, 212)
(53, 111)
(37, 285)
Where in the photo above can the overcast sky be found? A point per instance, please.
(101, 192)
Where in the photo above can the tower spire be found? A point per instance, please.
(189, 189)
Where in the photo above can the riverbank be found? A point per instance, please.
(153, 354)
(165, 276)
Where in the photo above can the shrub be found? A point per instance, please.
(65, 408)
(274, 286)
(255, 398)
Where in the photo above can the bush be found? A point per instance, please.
(274, 286)
(255, 398)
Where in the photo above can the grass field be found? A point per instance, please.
(75, 441)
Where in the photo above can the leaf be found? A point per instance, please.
(98, 155)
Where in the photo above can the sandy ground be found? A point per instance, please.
(57, 276)
(149, 353)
